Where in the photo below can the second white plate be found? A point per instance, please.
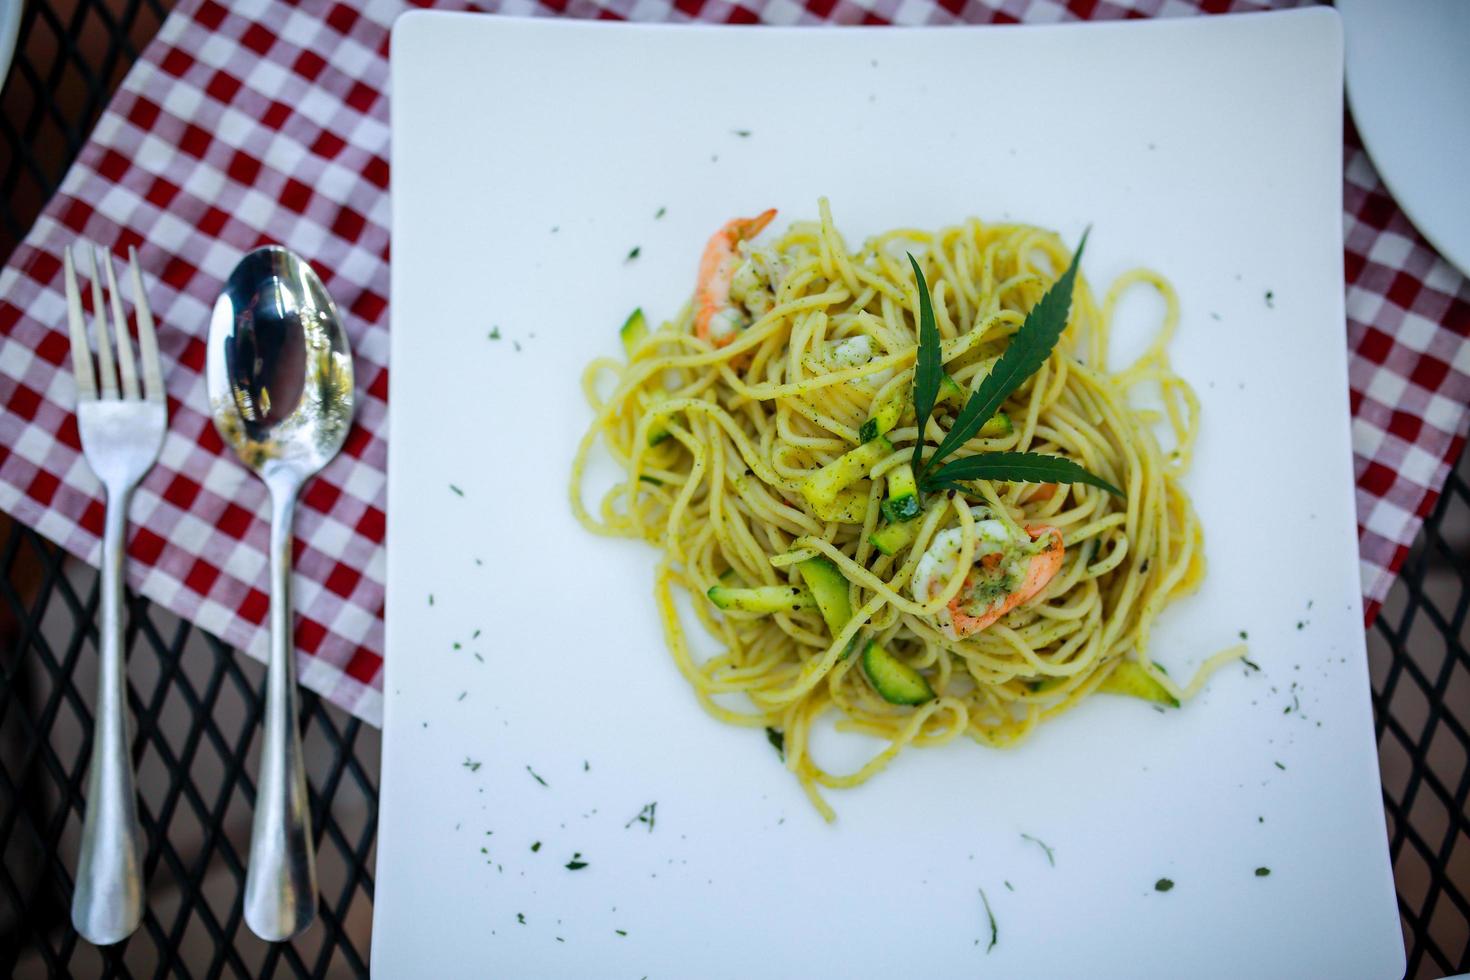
(1408, 79)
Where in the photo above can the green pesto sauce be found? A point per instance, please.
(991, 586)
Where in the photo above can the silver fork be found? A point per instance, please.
(122, 432)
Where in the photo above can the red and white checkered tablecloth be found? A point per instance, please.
(259, 121)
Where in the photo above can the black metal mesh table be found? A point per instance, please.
(197, 702)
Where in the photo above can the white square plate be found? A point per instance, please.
(529, 159)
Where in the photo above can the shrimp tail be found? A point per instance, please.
(1040, 570)
(717, 269)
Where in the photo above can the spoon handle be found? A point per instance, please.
(108, 902)
(280, 885)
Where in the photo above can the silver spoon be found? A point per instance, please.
(279, 374)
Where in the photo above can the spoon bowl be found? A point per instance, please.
(280, 381)
(279, 369)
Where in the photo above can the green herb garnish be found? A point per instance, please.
(494, 333)
(521, 918)
(646, 815)
(457, 491)
(535, 847)
(621, 932)
(1014, 467)
(1023, 357)
(1163, 885)
(634, 253)
(778, 742)
(576, 864)
(994, 932)
(1050, 858)
(1262, 872)
(471, 764)
(536, 777)
(660, 213)
(928, 365)
(1279, 766)
(1029, 348)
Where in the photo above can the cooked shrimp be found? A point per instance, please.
(1007, 572)
(716, 319)
(853, 352)
(977, 594)
(1041, 493)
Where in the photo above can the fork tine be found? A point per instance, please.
(147, 339)
(125, 367)
(81, 351)
(107, 376)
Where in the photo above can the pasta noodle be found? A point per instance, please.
(715, 445)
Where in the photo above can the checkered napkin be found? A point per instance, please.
(263, 122)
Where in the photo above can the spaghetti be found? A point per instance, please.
(724, 419)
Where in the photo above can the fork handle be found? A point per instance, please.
(280, 885)
(108, 901)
